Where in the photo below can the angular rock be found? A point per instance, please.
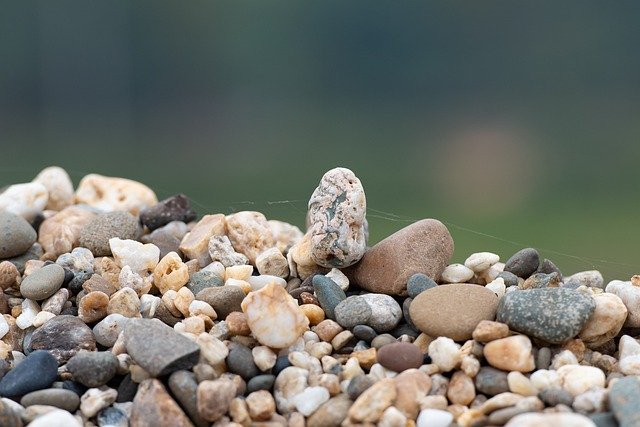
(195, 244)
(250, 234)
(183, 386)
(175, 208)
(38, 371)
(63, 336)
(223, 299)
(142, 258)
(170, 273)
(220, 249)
(60, 233)
(286, 234)
(272, 262)
(154, 407)
(16, 235)
(114, 194)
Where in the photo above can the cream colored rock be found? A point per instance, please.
(60, 233)
(576, 379)
(412, 385)
(285, 234)
(142, 258)
(481, 261)
(300, 262)
(273, 263)
(220, 249)
(259, 282)
(183, 300)
(57, 182)
(520, 384)
(497, 286)
(629, 356)
(30, 310)
(170, 273)
(274, 317)
(560, 419)
(128, 279)
(114, 194)
(125, 302)
(445, 353)
(250, 234)
(289, 383)
(338, 277)
(25, 200)
(629, 293)
(212, 349)
(195, 244)
(605, 322)
(9, 275)
(264, 357)
(499, 401)
(238, 272)
(544, 379)
(456, 273)
(371, 404)
(510, 354)
(461, 389)
(392, 417)
(197, 308)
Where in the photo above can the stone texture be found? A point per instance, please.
(629, 355)
(60, 233)
(60, 398)
(214, 398)
(386, 313)
(453, 310)
(108, 329)
(411, 386)
(488, 330)
(261, 405)
(26, 200)
(629, 293)
(491, 381)
(43, 282)
(577, 379)
(624, 400)
(353, 311)
(400, 356)
(223, 299)
(16, 235)
(174, 208)
(422, 247)
(195, 244)
(332, 413)
(63, 336)
(96, 234)
(59, 187)
(301, 264)
(550, 420)
(605, 322)
(170, 273)
(221, 249)
(93, 369)
(510, 354)
(9, 275)
(38, 371)
(372, 403)
(272, 262)
(445, 353)
(249, 234)
(184, 387)
(114, 194)
(285, 234)
(154, 407)
(523, 263)
(481, 261)
(274, 316)
(93, 307)
(461, 389)
(337, 211)
(554, 315)
(142, 258)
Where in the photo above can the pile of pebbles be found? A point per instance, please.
(121, 310)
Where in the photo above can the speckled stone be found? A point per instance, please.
(39, 370)
(624, 400)
(419, 283)
(63, 336)
(400, 356)
(453, 310)
(554, 315)
(353, 311)
(523, 263)
(386, 313)
(329, 294)
(175, 208)
(364, 332)
(96, 234)
(203, 279)
(43, 282)
(16, 235)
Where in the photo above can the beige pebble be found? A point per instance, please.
(244, 285)
(299, 258)
(314, 313)
(520, 384)
(26, 200)
(456, 273)
(605, 322)
(60, 233)
(271, 262)
(9, 275)
(412, 386)
(221, 250)
(125, 302)
(261, 405)
(550, 420)
(237, 323)
(510, 354)
(93, 307)
(114, 194)
(182, 301)
(168, 299)
(193, 325)
(249, 233)
(488, 330)
(285, 234)
(327, 329)
(239, 412)
(370, 405)
(195, 244)
(445, 353)
(238, 272)
(264, 357)
(212, 349)
(339, 277)
(341, 339)
(481, 261)
(214, 397)
(577, 379)
(59, 187)
(202, 308)
(461, 389)
(41, 318)
(170, 273)
(142, 258)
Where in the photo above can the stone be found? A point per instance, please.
(184, 387)
(170, 273)
(560, 419)
(174, 208)
(195, 244)
(554, 315)
(112, 417)
(26, 200)
(165, 241)
(63, 336)
(624, 398)
(353, 311)
(300, 262)
(96, 234)
(329, 294)
(274, 317)
(491, 381)
(400, 356)
(434, 418)
(520, 384)
(337, 211)
(240, 361)
(154, 407)
(285, 234)
(591, 279)
(96, 399)
(310, 400)
(510, 354)
(214, 398)
(556, 396)
(58, 397)
(97, 283)
(418, 283)
(290, 381)
(142, 258)
(272, 262)
(362, 332)
(445, 353)
(523, 263)
(488, 330)
(604, 419)
(249, 234)
(114, 194)
(221, 250)
(60, 233)
(411, 386)
(358, 385)
(332, 413)
(261, 382)
(392, 417)
(606, 321)
(158, 348)
(30, 310)
(93, 369)
(261, 405)
(10, 417)
(541, 280)
(38, 371)
(509, 279)
(9, 275)
(629, 293)
(339, 278)
(16, 235)
(93, 307)
(453, 310)
(372, 403)
(223, 299)
(461, 389)
(107, 330)
(43, 282)
(480, 261)
(629, 355)
(422, 247)
(56, 302)
(498, 287)
(386, 313)
(56, 418)
(264, 357)
(125, 302)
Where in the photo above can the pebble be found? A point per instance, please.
(93, 369)
(480, 261)
(523, 263)
(337, 211)
(310, 400)
(339, 278)
(153, 406)
(214, 398)
(9, 275)
(56, 418)
(488, 330)
(509, 279)
(271, 262)
(457, 273)
(591, 279)
(112, 417)
(577, 379)
(629, 356)
(63, 336)
(170, 273)
(400, 356)
(630, 296)
(42, 283)
(16, 235)
(445, 353)
(59, 187)
(240, 362)
(58, 397)
(385, 312)
(142, 258)
(606, 321)
(550, 420)
(510, 354)
(422, 247)
(274, 316)
(223, 299)
(249, 234)
(434, 418)
(520, 384)
(96, 234)
(554, 315)
(453, 310)
(107, 330)
(195, 244)
(556, 396)
(38, 371)
(125, 302)
(370, 405)
(461, 389)
(174, 208)
(26, 200)
(329, 294)
(221, 250)
(261, 382)
(364, 332)
(624, 398)
(114, 194)
(352, 311)
(332, 413)
(158, 348)
(184, 387)
(491, 381)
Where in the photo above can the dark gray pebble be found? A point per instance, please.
(604, 419)
(43, 282)
(240, 362)
(93, 369)
(418, 283)
(38, 371)
(358, 385)
(364, 332)
(282, 362)
(491, 381)
(510, 279)
(16, 235)
(175, 208)
(523, 263)
(96, 234)
(556, 396)
(183, 386)
(260, 382)
(328, 293)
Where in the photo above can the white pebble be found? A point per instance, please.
(456, 273)
(498, 287)
(30, 310)
(42, 317)
(338, 277)
(629, 356)
(142, 258)
(56, 418)
(434, 418)
(4, 327)
(576, 379)
(445, 353)
(200, 307)
(310, 400)
(481, 261)
(544, 379)
(25, 200)
(259, 282)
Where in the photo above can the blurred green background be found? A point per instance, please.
(513, 119)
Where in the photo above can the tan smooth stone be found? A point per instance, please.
(510, 354)
(605, 322)
(250, 234)
(488, 330)
(114, 194)
(195, 244)
(370, 405)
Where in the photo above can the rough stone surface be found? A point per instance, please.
(453, 310)
(154, 407)
(371, 404)
(624, 400)
(96, 234)
(214, 398)
(183, 386)
(114, 194)
(337, 211)
(272, 262)
(523, 263)
(175, 208)
(142, 258)
(195, 244)
(554, 315)
(250, 234)
(422, 247)
(63, 336)
(38, 371)
(220, 249)
(418, 283)
(16, 235)
(385, 312)
(26, 200)
(93, 369)
(353, 311)
(60, 233)
(605, 322)
(170, 273)
(223, 299)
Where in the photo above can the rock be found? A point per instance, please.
(93, 307)
(214, 398)
(541, 280)
(96, 399)
(184, 387)
(358, 385)
(63, 336)
(195, 244)
(38, 371)
(170, 273)
(96, 234)
(520, 384)
(240, 362)
(480, 261)
(561, 419)
(112, 417)
(411, 386)
(491, 381)
(93, 369)
(362, 332)
(453, 310)
(630, 296)
(332, 413)
(261, 382)
(272, 262)
(510, 354)
(158, 348)
(100, 284)
(434, 418)
(629, 356)
(223, 299)
(372, 403)
(488, 330)
(114, 194)
(140, 257)
(419, 283)
(577, 379)
(108, 329)
(249, 234)
(220, 249)
(43, 282)
(125, 302)
(60, 233)
(274, 317)
(509, 279)
(523, 263)
(461, 390)
(556, 396)
(79, 261)
(165, 241)
(353, 311)
(386, 313)
(605, 322)
(33, 253)
(175, 208)
(25, 200)
(422, 247)
(604, 419)
(9, 275)
(60, 398)
(56, 418)
(56, 302)
(337, 211)
(154, 407)
(400, 356)
(16, 235)
(261, 405)
(624, 399)
(290, 382)
(554, 315)
(30, 310)
(445, 353)
(301, 264)
(591, 279)
(310, 400)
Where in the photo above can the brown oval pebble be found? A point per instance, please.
(400, 356)
(453, 310)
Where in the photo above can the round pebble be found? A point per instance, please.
(93, 369)
(260, 382)
(523, 263)
(39, 370)
(16, 235)
(364, 332)
(43, 283)
(385, 312)
(240, 361)
(58, 397)
(353, 311)
(329, 294)
(96, 234)
(419, 283)
(400, 356)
